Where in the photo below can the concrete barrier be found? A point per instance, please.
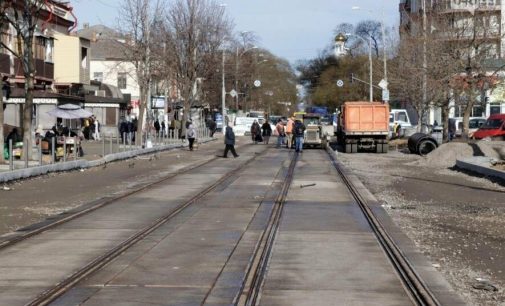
(481, 165)
(82, 164)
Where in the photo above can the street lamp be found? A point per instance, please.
(238, 56)
(384, 86)
(340, 37)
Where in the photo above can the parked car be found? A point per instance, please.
(493, 128)
(473, 125)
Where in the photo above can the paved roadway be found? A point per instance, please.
(324, 254)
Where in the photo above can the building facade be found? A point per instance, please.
(461, 21)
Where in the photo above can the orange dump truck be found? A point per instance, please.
(363, 125)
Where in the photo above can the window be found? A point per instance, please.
(495, 109)
(98, 76)
(49, 50)
(121, 80)
(84, 58)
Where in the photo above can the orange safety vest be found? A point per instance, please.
(289, 126)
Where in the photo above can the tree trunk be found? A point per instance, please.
(466, 115)
(28, 114)
(1, 127)
(445, 122)
(142, 114)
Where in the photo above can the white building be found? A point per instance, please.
(461, 15)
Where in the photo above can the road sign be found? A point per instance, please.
(233, 93)
(383, 84)
(340, 83)
(257, 83)
(385, 95)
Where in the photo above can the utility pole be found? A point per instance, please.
(425, 67)
(236, 80)
(371, 66)
(223, 97)
(384, 51)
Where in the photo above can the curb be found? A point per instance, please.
(480, 165)
(83, 164)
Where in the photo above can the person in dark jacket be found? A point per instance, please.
(229, 141)
(14, 136)
(157, 127)
(298, 132)
(267, 132)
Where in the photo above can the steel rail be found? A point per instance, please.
(414, 285)
(99, 204)
(255, 275)
(50, 295)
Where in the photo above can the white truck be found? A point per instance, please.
(401, 116)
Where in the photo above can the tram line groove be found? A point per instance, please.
(99, 204)
(255, 276)
(414, 285)
(51, 294)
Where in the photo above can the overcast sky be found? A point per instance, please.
(293, 29)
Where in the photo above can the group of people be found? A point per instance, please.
(127, 129)
(291, 133)
(91, 128)
(261, 134)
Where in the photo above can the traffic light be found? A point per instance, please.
(351, 78)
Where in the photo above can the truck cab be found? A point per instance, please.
(401, 116)
(314, 135)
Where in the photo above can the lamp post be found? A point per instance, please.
(238, 56)
(383, 31)
(340, 37)
(223, 92)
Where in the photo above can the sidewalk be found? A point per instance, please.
(96, 153)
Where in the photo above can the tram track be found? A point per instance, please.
(255, 275)
(65, 217)
(51, 294)
(412, 282)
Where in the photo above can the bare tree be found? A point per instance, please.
(22, 16)
(138, 20)
(370, 29)
(196, 31)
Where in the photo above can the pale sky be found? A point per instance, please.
(292, 29)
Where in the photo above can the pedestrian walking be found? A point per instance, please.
(163, 128)
(298, 131)
(191, 136)
(96, 132)
(289, 132)
(267, 132)
(280, 133)
(254, 131)
(211, 124)
(229, 141)
(157, 127)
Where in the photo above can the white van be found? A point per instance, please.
(242, 125)
(473, 125)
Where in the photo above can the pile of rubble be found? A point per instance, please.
(446, 155)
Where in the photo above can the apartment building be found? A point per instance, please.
(55, 18)
(459, 19)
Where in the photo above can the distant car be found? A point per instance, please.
(493, 128)
(473, 125)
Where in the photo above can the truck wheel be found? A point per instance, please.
(378, 148)
(354, 148)
(348, 148)
(385, 147)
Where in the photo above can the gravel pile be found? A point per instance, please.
(446, 155)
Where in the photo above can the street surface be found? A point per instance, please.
(454, 218)
(324, 254)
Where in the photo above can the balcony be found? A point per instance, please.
(4, 63)
(43, 70)
(453, 6)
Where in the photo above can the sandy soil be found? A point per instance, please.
(455, 219)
